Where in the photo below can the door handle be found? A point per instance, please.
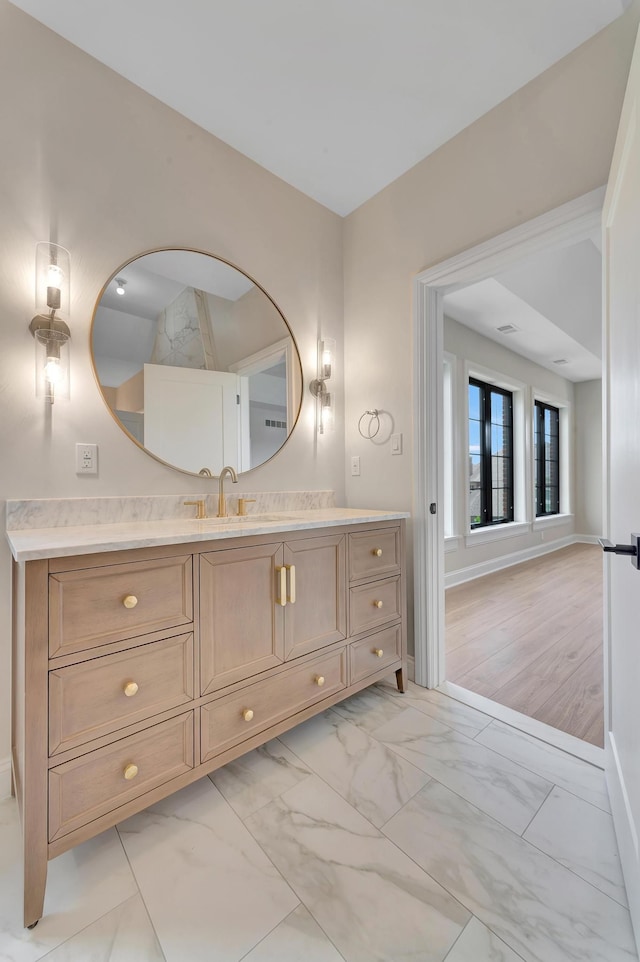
(282, 574)
(292, 583)
(632, 550)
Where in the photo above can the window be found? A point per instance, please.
(490, 454)
(547, 457)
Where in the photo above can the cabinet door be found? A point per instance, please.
(317, 614)
(241, 618)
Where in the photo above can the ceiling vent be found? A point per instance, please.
(561, 360)
(508, 329)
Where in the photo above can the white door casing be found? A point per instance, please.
(565, 225)
(621, 393)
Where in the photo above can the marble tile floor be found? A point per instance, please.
(388, 829)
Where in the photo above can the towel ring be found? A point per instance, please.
(374, 419)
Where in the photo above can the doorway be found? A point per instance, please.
(444, 381)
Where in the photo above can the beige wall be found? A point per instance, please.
(588, 421)
(94, 163)
(550, 142)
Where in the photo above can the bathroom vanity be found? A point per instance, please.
(147, 654)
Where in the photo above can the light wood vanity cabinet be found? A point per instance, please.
(138, 671)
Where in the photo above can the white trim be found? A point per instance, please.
(5, 777)
(531, 726)
(452, 543)
(258, 362)
(451, 454)
(471, 572)
(586, 539)
(411, 667)
(428, 471)
(496, 532)
(552, 521)
(557, 228)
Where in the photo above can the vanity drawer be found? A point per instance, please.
(374, 652)
(94, 606)
(374, 553)
(94, 784)
(95, 697)
(374, 604)
(238, 716)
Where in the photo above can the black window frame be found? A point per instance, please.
(540, 460)
(486, 482)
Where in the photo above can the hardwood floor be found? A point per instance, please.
(530, 638)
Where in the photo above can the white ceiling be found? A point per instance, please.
(336, 97)
(554, 301)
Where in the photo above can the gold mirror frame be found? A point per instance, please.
(297, 362)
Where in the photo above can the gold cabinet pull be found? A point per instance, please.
(319, 680)
(292, 583)
(282, 600)
(130, 771)
(247, 714)
(377, 552)
(130, 689)
(130, 601)
(378, 604)
(379, 652)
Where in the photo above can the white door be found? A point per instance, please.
(191, 417)
(621, 221)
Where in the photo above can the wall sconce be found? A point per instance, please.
(48, 327)
(318, 387)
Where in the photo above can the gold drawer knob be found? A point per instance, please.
(319, 680)
(130, 689)
(377, 604)
(377, 552)
(379, 652)
(130, 771)
(130, 601)
(247, 714)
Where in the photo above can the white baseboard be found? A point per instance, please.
(471, 572)
(626, 833)
(5, 777)
(411, 667)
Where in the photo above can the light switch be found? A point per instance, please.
(355, 466)
(396, 444)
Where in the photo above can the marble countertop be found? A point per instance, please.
(29, 544)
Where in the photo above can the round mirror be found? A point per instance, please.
(196, 362)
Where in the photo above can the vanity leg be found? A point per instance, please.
(401, 679)
(35, 880)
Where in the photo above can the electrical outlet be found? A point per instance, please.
(396, 444)
(355, 466)
(86, 458)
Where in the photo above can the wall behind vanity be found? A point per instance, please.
(92, 162)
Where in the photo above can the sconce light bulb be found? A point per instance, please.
(54, 286)
(54, 276)
(52, 370)
(120, 287)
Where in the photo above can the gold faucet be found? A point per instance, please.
(199, 505)
(222, 505)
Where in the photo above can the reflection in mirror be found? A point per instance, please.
(196, 362)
